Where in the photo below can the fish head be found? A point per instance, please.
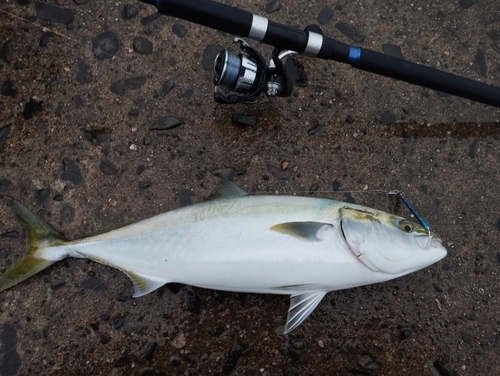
(387, 243)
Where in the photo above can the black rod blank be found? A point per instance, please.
(431, 78)
(240, 22)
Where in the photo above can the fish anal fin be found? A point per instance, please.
(301, 306)
(313, 231)
(143, 285)
(226, 189)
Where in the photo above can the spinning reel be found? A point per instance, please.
(247, 75)
(243, 77)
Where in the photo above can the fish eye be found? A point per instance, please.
(407, 227)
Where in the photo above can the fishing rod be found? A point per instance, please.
(244, 77)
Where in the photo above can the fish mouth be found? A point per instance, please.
(428, 242)
(436, 241)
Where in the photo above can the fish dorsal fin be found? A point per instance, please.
(314, 231)
(301, 306)
(226, 189)
(143, 285)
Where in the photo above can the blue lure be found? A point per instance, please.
(403, 197)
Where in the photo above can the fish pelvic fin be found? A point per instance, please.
(301, 306)
(40, 235)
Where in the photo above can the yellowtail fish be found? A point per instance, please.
(299, 246)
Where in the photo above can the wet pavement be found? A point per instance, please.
(107, 117)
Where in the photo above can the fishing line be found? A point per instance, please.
(57, 315)
(333, 191)
(54, 31)
(73, 300)
(399, 194)
(44, 28)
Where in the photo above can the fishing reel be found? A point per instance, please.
(244, 77)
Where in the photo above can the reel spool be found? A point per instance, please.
(243, 77)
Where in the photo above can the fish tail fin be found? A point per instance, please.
(40, 236)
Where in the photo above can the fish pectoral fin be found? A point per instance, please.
(314, 231)
(143, 285)
(301, 306)
(226, 189)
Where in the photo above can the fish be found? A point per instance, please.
(304, 247)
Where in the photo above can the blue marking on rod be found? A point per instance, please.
(354, 54)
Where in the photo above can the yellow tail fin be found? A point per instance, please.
(40, 236)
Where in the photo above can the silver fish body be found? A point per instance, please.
(299, 246)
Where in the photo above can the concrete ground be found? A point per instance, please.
(79, 144)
